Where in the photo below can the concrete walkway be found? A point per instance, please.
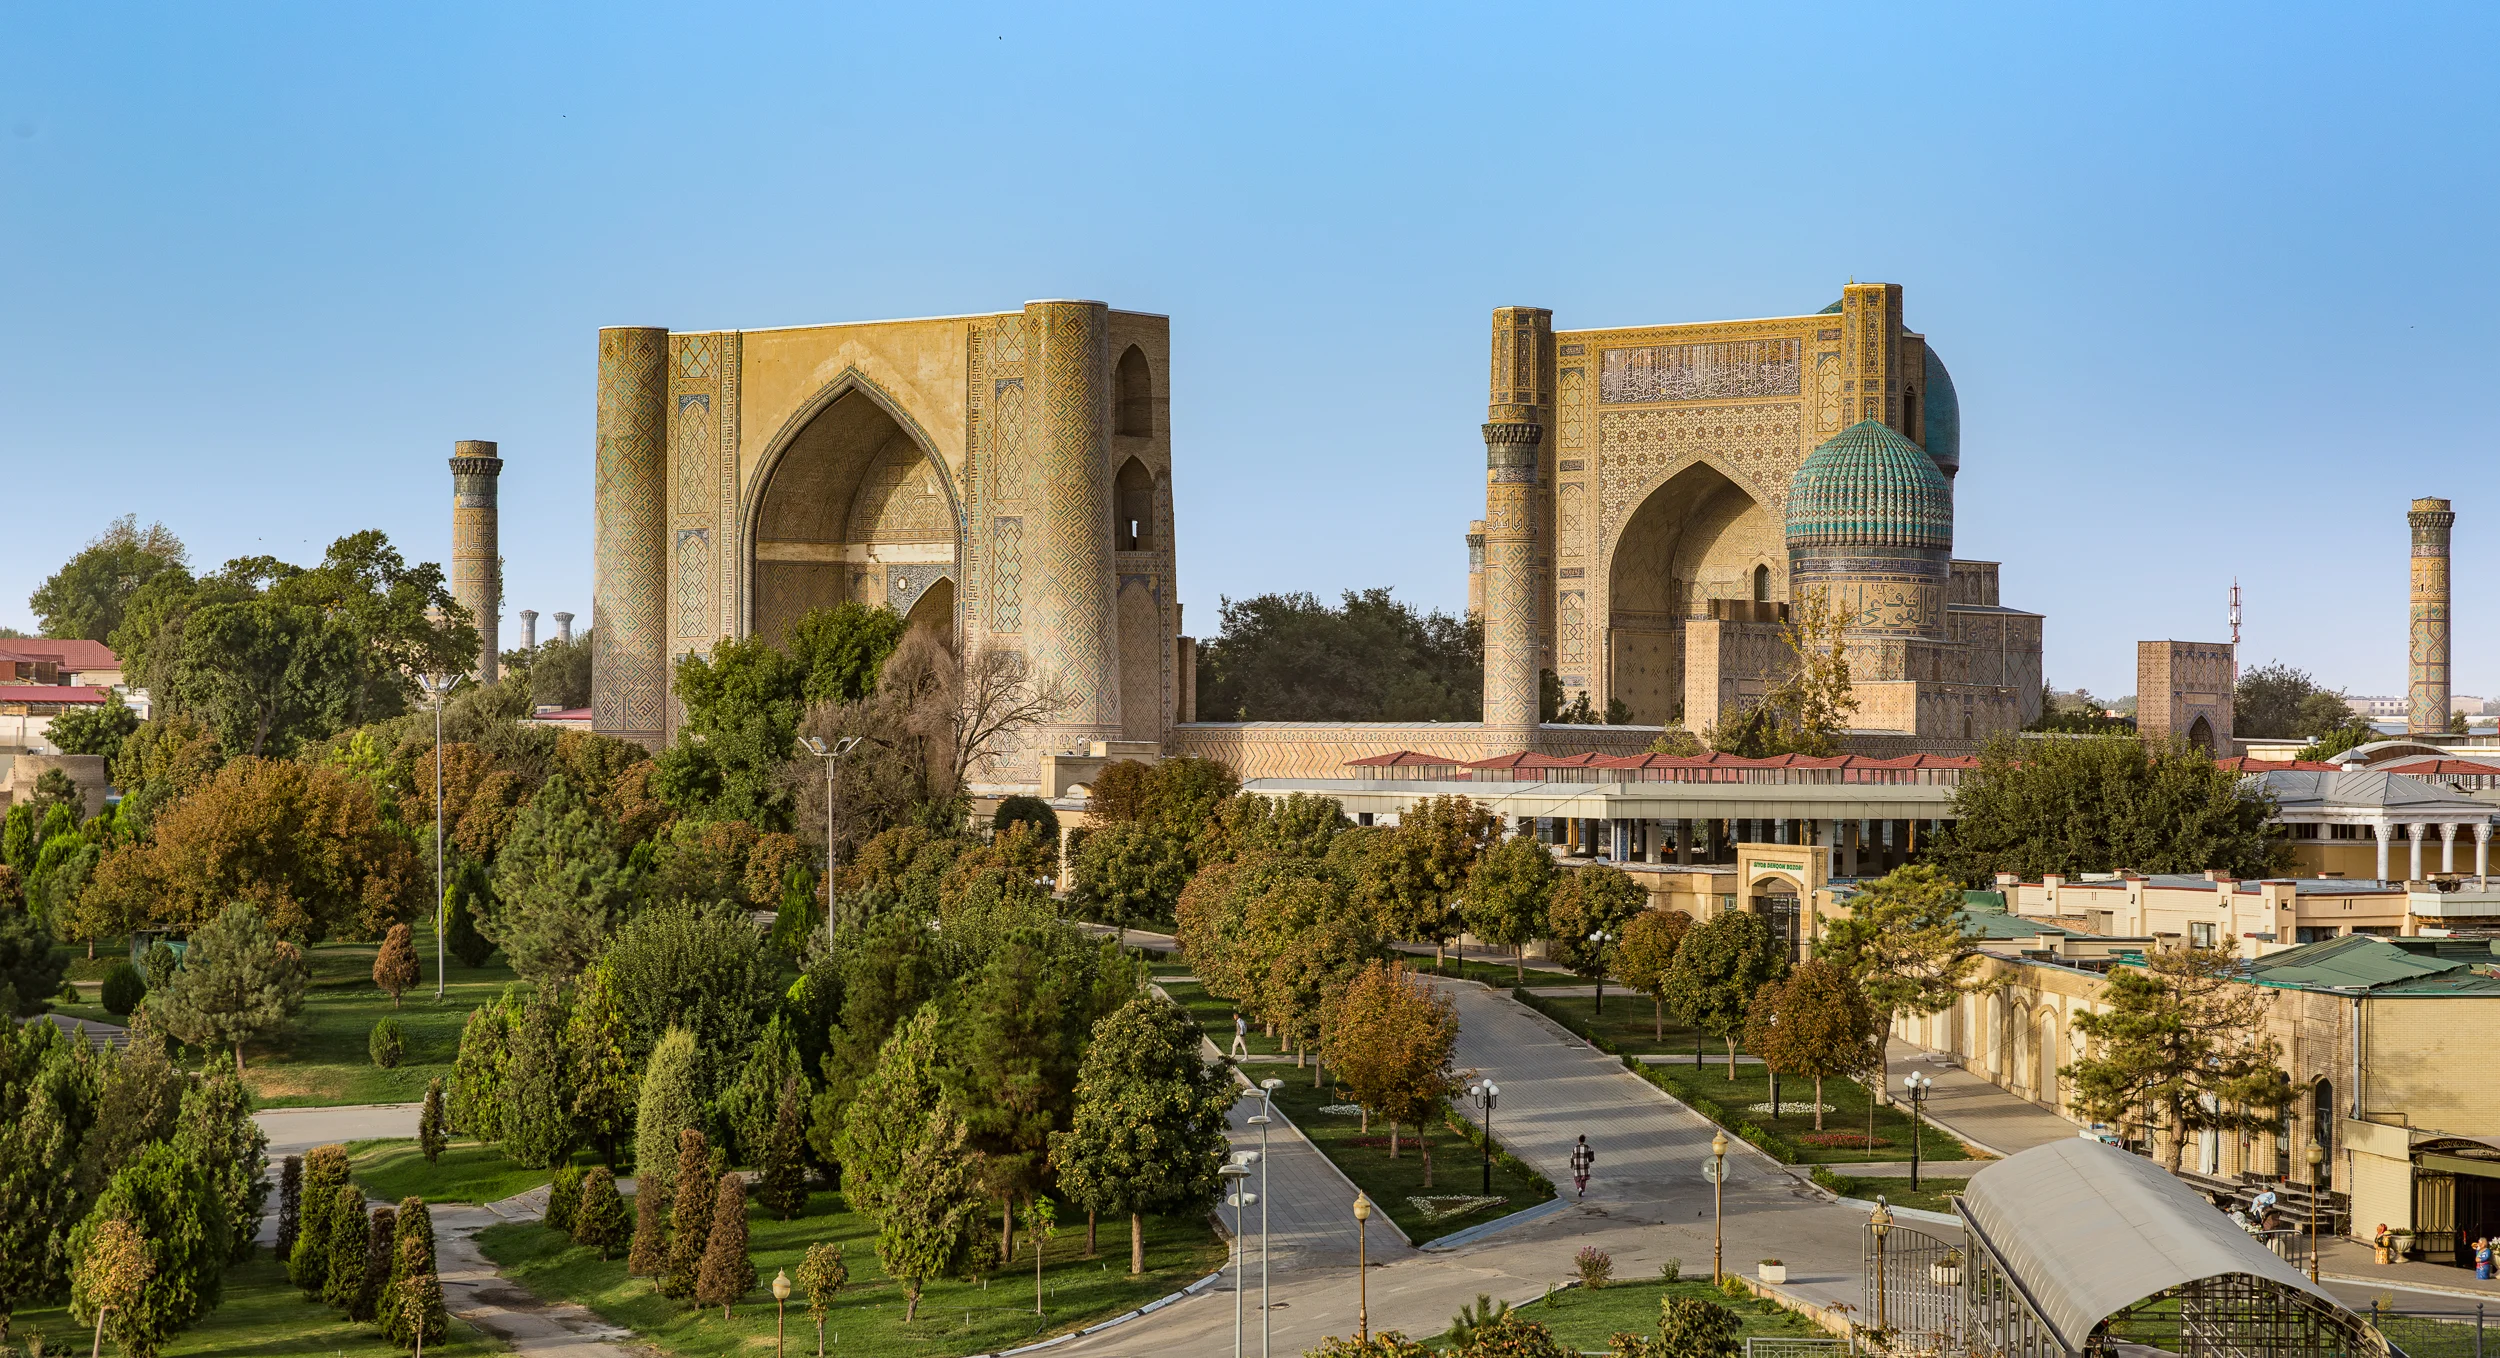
(1983, 1115)
(520, 1318)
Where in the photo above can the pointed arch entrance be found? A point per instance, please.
(1700, 535)
(851, 502)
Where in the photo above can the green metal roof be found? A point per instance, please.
(2362, 962)
(1869, 487)
(1996, 924)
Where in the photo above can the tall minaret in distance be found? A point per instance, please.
(2427, 706)
(476, 556)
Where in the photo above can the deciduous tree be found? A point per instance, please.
(1905, 944)
(1716, 971)
(1424, 864)
(87, 595)
(1644, 954)
(1586, 915)
(2102, 804)
(1507, 896)
(1814, 1022)
(94, 730)
(1128, 874)
(822, 1275)
(166, 1201)
(1290, 657)
(1148, 1134)
(928, 1213)
(1393, 1041)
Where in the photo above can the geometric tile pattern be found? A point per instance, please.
(2427, 680)
(1755, 445)
(1075, 627)
(629, 655)
(694, 453)
(1007, 575)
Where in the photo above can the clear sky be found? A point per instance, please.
(2216, 284)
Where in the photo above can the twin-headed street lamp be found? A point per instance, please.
(1233, 1173)
(438, 687)
(1486, 1094)
(1597, 950)
(1263, 1119)
(830, 753)
(1916, 1084)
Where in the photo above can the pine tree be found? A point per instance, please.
(599, 1220)
(379, 1236)
(784, 1187)
(538, 1120)
(564, 1195)
(413, 1280)
(602, 1080)
(290, 1205)
(671, 1101)
(929, 1215)
(239, 981)
(560, 886)
(430, 1129)
(325, 1173)
(648, 1255)
(728, 1274)
(690, 1216)
(395, 963)
(348, 1228)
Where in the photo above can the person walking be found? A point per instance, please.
(1241, 1035)
(1581, 1158)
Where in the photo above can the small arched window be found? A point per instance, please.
(1133, 506)
(1762, 584)
(1136, 411)
(2322, 1120)
(1909, 413)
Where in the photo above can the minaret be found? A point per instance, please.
(629, 580)
(476, 560)
(1513, 439)
(529, 629)
(564, 628)
(2428, 710)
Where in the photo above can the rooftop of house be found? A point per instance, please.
(2379, 965)
(70, 653)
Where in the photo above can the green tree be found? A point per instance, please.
(1905, 943)
(94, 730)
(559, 674)
(430, 1122)
(464, 900)
(1688, 1327)
(1807, 702)
(1026, 810)
(1289, 657)
(671, 1101)
(238, 982)
(783, 1189)
(2276, 699)
(1425, 862)
(728, 1273)
(216, 1130)
(2354, 732)
(889, 968)
(1644, 954)
(86, 597)
(413, 1311)
(1148, 1134)
(1393, 1042)
(599, 1074)
(599, 1220)
(375, 1285)
(2179, 1048)
(1813, 1022)
(349, 1229)
(743, 704)
(538, 1115)
(564, 1194)
(561, 887)
(31, 967)
(325, 1173)
(704, 969)
(928, 1212)
(49, 1096)
(822, 1276)
(1298, 823)
(124, 988)
(1716, 971)
(690, 1214)
(1585, 918)
(752, 1102)
(138, 1100)
(111, 1281)
(166, 1200)
(478, 1073)
(2103, 804)
(1128, 874)
(1507, 895)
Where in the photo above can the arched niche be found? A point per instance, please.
(1133, 507)
(1143, 644)
(1134, 394)
(849, 493)
(1698, 536)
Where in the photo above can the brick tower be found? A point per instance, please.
(476, 556)
(1514, 434)
(2427, 712)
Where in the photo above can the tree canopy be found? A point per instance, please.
(2178, 1048)
(87, 595)
(2275, 699)
(2101, 804)
(1289, 657)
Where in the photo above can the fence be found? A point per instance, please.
(2434, 1333)
(1769, 1346)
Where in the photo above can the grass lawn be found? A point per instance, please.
(1457, 1164)
(262, 1313)
(1931, 1195)
(1628, 1025)
(1216, 1017)
(1752, 1085)
(956, 1317)
(467, 1172)
(1587, 1321)
(323, 1059)
(1493, 966)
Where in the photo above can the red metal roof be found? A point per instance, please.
(2244, 764)
(1401, 759)
(50, 693)
(1721, 759)
(2428, 768)
(71, 653)
(1525, 759)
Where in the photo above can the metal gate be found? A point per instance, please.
(1913, 1292)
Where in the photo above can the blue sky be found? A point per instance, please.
(2216, 285)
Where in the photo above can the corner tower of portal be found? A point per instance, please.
(1517, 413)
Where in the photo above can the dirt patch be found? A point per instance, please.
(287, 1082)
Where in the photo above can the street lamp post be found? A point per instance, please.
(1263, 1119)
(1233, 1174)
(1917, 1083)
(1881, 1225)
(781, 1298)
(829, 753)
(1597, 949)
(1486, 1094)
(1718, 1201)
(1362, 1269)
(438, 687)
(2316, 1158)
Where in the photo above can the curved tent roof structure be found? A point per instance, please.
(2087, 1231)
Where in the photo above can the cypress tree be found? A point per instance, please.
(348, 1229)
(430, 1122)
(325, 1173)
(564, 1193)
(784, 1187)
(648, 1256)
(379, 1236)
(728, 1274)
(670, 1102)
(690, 1216)
(599, 1219)
(412, 1275)
(290, 1205)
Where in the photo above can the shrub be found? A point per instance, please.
(599, 1220)
(1028, 810)
(1692, 1327)
(564, 1194)
(1849, 1141)
(124, 987)
(1596, 1267)
(387, 1044)
(1672, 1270)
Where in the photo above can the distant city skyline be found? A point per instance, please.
(2213, 284)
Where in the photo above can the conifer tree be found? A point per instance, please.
(416, 1296)
(538, 1115)
(599, 1220)
(928, 1215)
(290, 1205)
(395, 963)
(348, 1228)
(784, 1187)
(564, 1195)
(728, 1274)
(560, 886)
(477, 1074)
(750, 1105)
(167, 1203)
(430, 1120)
(601, 1079)
(648, 1255)
(690, 1216)
(325, 1173)
(239, 981)
(671, 1101)
(215, 1129)
(380, 1234)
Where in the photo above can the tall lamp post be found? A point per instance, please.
(1718, 1201)
(1233, 1174)
(1486, 1094)
(1362, 1269)
(2317, 1158)
(438, 687)
(1881, 1225)
(1263, 1119)
(1597, 950)
(829, 753)
(1916, 1084)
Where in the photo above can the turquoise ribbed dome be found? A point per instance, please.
(1940, 416)
(1869, 487)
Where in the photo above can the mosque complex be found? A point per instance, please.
(1656, 499)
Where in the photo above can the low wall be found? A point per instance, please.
(1320, 749)
(84, 770)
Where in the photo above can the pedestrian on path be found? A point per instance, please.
(1241, 1035)
(1581, 1158)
